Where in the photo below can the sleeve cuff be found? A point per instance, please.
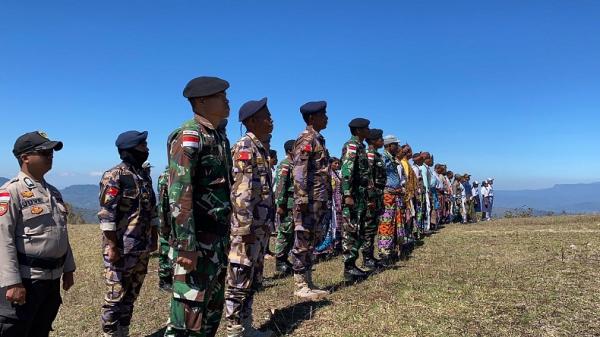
(108, 226)
(11, 280)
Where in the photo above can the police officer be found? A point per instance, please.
(284, 200)
(129, 224)
(251, 217)
(312, 191)
(356, 178)
(199, 196)
(34, 246)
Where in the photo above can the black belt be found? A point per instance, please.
(41, 262)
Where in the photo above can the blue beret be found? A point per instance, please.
(375, 134)
(251, 107)
(313, 107)
(359, 123)
(204, 86)
(130, 139)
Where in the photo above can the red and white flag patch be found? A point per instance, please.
(351, 148)
(4, 196)
(371, 156)
(112, 191)
(307, 148)
(285, 169)
(244, 155)
(190, 138)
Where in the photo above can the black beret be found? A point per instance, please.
(375, 134)
(313, 107)
(289, 145)
(359, 123)
(130, 139)
(33, 141)
(249, 108)
(204, 86)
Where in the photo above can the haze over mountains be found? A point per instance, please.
(570, 198)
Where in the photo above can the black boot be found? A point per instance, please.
(386, 261)
(165, 283)
(283, 266)
(353, 274)
(370, 263)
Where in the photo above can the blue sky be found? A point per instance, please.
(509, 89)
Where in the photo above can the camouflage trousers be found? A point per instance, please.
(371, 225)
(165, 267)
(198, 296)
(285, 236)
(244, 275)
(353, 232)
(124, 280)
(307, 233)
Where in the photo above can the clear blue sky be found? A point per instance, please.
(509, 89)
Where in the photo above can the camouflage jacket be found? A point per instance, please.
(311, 168)
(356, 174)
(199, 183)
(284, 184)
(128, 207)
(378, 173)
(164, 213)
(251, 192)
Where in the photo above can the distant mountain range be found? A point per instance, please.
(569, 198)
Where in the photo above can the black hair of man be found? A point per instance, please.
(272, 153)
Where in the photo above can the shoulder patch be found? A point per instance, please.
(29, 182)
(351, 148)
(190, 138)
(4, 196)
(3, 208)
(307, 148)
(244, 155)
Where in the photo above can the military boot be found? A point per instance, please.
(283, 266)
(250, 331)
(312, 286)
(370, 263)
(165, 283)
(304, 291)
(124, 330)
(386, 261)
(352, 273)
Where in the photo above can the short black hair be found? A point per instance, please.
(353, 131)
(306, 118)
(272, 153)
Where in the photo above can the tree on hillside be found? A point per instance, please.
(74, 218)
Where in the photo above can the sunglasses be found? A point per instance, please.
(42, 153)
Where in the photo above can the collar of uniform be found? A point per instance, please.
(312, 130)
(255, 139)
(27, 180)
(202, 120)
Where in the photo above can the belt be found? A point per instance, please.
(41, 262)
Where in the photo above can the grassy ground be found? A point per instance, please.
(509, 277)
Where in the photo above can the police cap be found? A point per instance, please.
(250, 108)
(313, 107)
(204, 86)
(130, 139)
(35, 141)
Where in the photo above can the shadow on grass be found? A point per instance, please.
(285, 320)
(159, 333)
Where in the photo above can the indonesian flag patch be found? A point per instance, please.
(4, 197)
(285, 169)
(371, 156)
(351, 149)
(190, 138)
(110, 194)
(307, 148)
(244, 155)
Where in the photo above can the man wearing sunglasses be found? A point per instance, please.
(34, 246)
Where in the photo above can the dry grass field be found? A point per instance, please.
(508, 277)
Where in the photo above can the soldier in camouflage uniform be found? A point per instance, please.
(356, 178)
(312, 190)
(252, 214)
(375, 204)
(129, 224)
(165, 268)
(199, 187)
(284, 200)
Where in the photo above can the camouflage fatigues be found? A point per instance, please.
(127, 207)
(165, 266)
(252, 214)
(199, 187)
(356, 178)
(312, 186)
(375, 203)
(284, 196)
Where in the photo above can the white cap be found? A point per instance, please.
(390, 139)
